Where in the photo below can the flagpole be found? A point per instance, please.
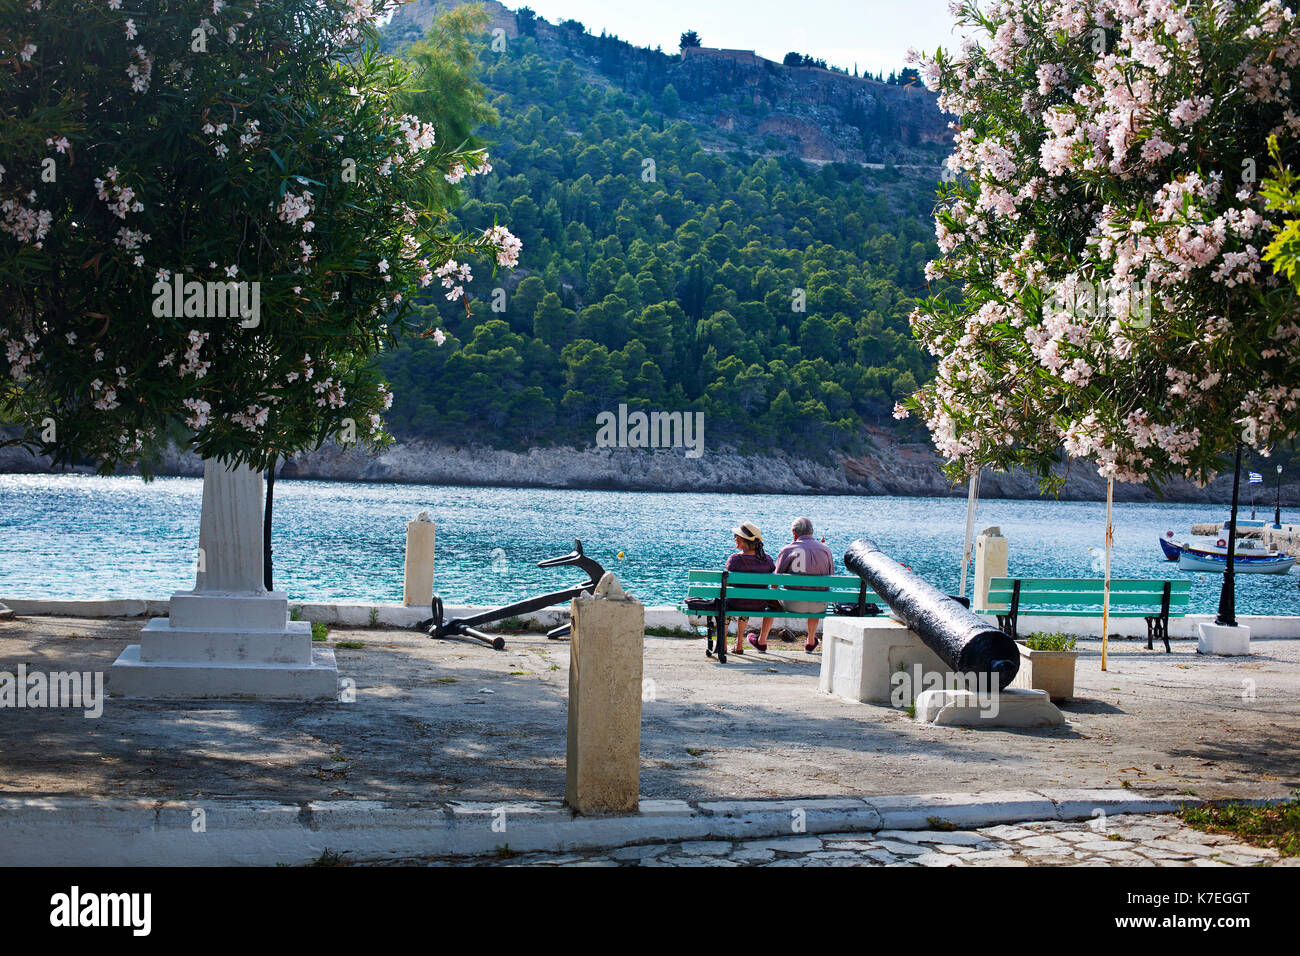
(1110, 540)
(971, 497)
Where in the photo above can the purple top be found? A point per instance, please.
(748, 564)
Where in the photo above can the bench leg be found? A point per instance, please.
(722, 640)
(708, 637)
(1158, 630)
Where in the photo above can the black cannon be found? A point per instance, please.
(467, 626)
(965, 642)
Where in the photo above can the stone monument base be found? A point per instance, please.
(172, 680)
(1012, 707)
(226, 645)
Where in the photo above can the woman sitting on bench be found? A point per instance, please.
(751, 559)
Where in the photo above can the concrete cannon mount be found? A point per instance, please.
(437, 721)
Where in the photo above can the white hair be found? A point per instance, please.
(801, 527)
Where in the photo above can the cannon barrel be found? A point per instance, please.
(965, 642)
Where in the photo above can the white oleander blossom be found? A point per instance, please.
(453, 274)
(507, 245)
(200, 413)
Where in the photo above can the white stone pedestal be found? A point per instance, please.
(860, 655)
(229, 637)
(1225, 641)
(1012, 707)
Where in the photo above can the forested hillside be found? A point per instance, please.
(666, 271)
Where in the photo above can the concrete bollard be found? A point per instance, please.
(418, 587)
(990, 562)
(605, 658)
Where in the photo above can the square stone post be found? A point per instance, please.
(605, 661)
(417, 589)
(990, 562)
(229, 637)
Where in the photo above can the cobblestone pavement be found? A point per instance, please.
(1125, 840)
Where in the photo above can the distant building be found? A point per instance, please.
(740, 56)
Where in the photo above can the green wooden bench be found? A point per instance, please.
(724, 587)
(1157, 601)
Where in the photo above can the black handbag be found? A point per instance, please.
(851, 610)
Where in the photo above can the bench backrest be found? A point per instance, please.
(1087, 592)
(840, 588)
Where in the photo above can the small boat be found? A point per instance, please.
(1251, 556)
(1267, 563)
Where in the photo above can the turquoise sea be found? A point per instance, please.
(76, 536)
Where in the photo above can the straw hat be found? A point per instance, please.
(747, 531)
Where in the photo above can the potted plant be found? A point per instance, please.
(1047, 663)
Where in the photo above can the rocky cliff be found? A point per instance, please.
(892, 468)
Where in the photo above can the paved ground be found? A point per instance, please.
(1127, 840)
(441, 721)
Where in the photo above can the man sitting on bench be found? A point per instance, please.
(804, 555)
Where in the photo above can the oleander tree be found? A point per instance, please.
(1104, 227)
(1282, 195)
(150, 147)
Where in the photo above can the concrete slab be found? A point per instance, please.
(1083, 804)
(961, 810)
(792, 816)
(1013, 707)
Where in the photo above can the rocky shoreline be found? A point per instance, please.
(892, 468)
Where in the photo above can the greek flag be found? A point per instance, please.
(1256, 478)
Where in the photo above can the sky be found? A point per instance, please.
(874, 34)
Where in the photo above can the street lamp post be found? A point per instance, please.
(1277, 512)
(1227, 616)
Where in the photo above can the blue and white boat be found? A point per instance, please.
(1206, 554)
(1244, 562)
